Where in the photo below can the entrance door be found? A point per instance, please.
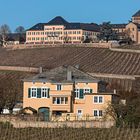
(79, 113)
(45, 111)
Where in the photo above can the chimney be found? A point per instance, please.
(40, 70)
(77, 66)
(115, 91)
(69, 76)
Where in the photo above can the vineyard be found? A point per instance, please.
(7, 132)
(16, 77)
(92, 60)
(133, 47)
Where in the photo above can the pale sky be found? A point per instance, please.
(29, 12)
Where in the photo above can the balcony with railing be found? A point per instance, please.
(61, 104)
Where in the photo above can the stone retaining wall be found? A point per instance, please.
(17, 123)
(85, 124)
(24, 69)
(125, 50)
(27, 46)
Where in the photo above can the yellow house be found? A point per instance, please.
(59, 31)
(66, 90)
(133, 28)
(136, 17)
(119, 29)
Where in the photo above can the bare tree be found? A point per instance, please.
(9, 89)
(127, 112)
(20, 29)
(107, 33)
(4, 31)
(66, 38)
(2, 100)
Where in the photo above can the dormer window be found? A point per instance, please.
(59, 87)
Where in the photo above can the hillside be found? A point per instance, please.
(92, 60)
(16, 78)
(131, 47)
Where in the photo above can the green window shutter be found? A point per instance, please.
(38, 92)
(29, 92)
(81, 93)
(74, 92)
(91, 90)
(48, 92)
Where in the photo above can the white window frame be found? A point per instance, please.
(34, 91)
(77, 93)
(102, 99)
(81, 111)
(59, 85)
(94, 99)
(102, 113)
(55, 102)
(98, 96)
(46, 89)
(98, 110)
(87, 89)
(94, 111)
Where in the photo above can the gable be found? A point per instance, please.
(59, 75)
